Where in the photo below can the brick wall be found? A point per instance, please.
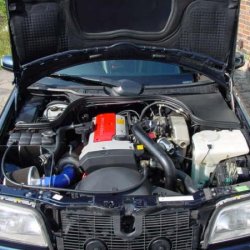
(244, 27)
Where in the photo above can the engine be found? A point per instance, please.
(108, 159)
(137, 148)
(108, 144)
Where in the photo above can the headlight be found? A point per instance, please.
(22, 225)
(229, 222)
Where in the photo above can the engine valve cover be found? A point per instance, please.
(108, 144)
(108, 126)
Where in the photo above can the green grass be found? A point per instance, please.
(4, 42)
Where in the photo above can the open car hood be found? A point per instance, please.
(40, 29)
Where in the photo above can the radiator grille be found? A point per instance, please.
(79, 227)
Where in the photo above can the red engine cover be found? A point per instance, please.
(105, 127)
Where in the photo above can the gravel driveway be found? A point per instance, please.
(6, 79)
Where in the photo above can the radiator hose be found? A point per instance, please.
(156, 150)
(187, 181)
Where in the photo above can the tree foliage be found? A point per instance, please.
(3, 10)
(4, 34)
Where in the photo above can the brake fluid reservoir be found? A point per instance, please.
(211, 147)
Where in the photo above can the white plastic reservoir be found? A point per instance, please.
(210, 147)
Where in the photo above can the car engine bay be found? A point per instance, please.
(148, 145)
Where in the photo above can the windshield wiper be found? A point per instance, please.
(88, 81)
(122, 87)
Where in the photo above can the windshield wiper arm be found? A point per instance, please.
(88, 81)
(123, 87)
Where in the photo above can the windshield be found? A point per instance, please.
(146, 72)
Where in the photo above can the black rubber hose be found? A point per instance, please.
(156, 151)
(174, 104)
(95, 101)
(187, 181)
(60, 138)
(60, 133)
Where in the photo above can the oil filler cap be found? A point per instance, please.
(160, 244)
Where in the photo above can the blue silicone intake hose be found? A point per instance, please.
(64, 179)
